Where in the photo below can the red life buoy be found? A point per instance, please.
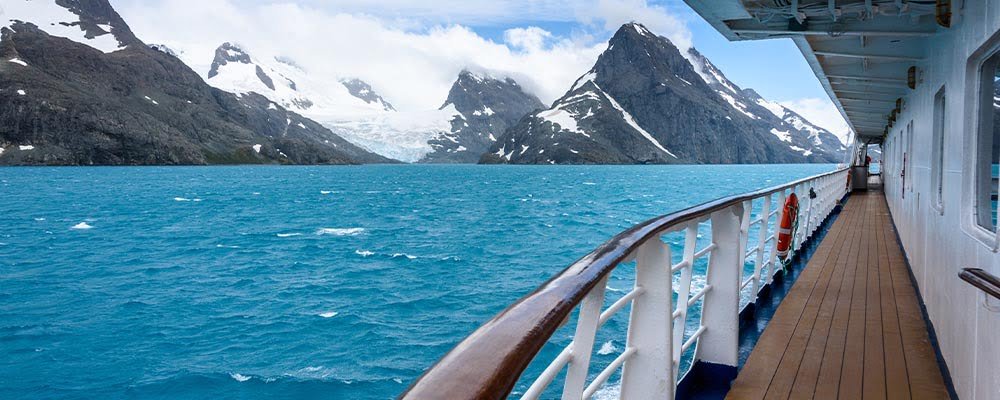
(788, 217)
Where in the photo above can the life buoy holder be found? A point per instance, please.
(787, 226)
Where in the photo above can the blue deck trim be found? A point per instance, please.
(708, 381)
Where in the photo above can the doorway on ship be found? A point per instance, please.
(866, 166)
(873, 159)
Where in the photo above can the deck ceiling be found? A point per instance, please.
(860, 50)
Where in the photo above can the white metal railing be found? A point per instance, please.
(491, 360)
(647, 358)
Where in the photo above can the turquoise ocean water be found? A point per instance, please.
(259, 282)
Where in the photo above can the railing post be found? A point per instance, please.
(765, 217)
(648, 373)
(720, 312)
(683, 293)
(774, 243)
(583, 342)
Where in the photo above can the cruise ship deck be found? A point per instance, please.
(851, 326)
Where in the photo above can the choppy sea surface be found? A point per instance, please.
(257, 282)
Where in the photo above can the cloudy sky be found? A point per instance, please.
(412, 50)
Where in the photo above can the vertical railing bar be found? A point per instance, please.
(744, 237)
(782, 197)
(647, 373)
(765, 213)
(583, 341)
(683, 292)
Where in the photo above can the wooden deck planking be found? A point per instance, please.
(851, 327)
(785, 319)
(812, 359)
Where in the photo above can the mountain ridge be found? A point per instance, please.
(645, 101)
(91, 93)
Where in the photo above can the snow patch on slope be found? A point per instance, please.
(628, 119)
(56, 21)
(737, 104)
(777, 109)
(562, 118)
(784, 136)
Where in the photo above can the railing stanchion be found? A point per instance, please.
(583, 342)
(782, 197)
(720, 308)
(765, 216)
(684, 292)
(648, 373)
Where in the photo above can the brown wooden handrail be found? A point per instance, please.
(488, 363)
(982, 280)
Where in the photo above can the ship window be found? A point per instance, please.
(937, 168)
(988, 143)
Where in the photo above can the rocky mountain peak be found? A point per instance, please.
(362, 90)
(91, 22)
(228, 53)
(484, 106)
(646, 101)
(97, 18)
(637, 60)
(474, 92)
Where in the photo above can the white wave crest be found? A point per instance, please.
(328, 314)
(397, 255)
(284, 235)
(340, 231)
(186, 199)
(607, 348)
(82, 225)
(364, 253)
(239, 377)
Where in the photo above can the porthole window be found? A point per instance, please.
(988, 143)
(937, 163)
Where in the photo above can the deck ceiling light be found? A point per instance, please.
(911, 77)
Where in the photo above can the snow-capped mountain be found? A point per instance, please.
(790, 127)
(77, 87)
(362, 90)
(280, 79)
(486, 106)
(478, 110)
(646, 102)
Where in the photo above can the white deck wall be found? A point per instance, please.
(937, 245)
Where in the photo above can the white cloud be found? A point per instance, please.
(823, 113)
(613, 13)
(405, 48)
(531, 38)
